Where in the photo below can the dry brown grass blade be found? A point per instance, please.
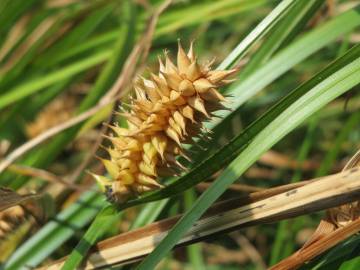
(328, 233)
(257, 172)
(115, 93)
(278, 160)
(40, 30)
(45, 175)
(14, 35)
(60, 3)
(353, 162)
(24, 148)
(15, 223)
(318, 247)
(9, 198)
(257, 208)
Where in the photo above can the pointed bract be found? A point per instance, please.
(183, 60)
(198, 104)
(194, 72)
(102, 181)
(217, 76)
(191, 53)
(202, 85)
(186, 88)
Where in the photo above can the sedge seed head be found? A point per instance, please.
(167, 110)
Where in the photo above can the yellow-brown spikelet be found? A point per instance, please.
(10, 218)
(166, 111)
(15, 224)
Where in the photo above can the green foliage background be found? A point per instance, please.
(297, 94)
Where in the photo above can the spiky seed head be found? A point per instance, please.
(166, 111)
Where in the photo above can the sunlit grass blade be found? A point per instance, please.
(281, 63)
(271, 205)
(201, 12)
(49, 27)
(103, 221)
(56, 232)
(330, 37)
(168, 22)
(194, 251)
(295, 53)
(10, 11)
(149, 213)
(76, 36)
(335, 80)
(278, 65)
(290, 97)
(259, 31)
(103, 83)
(283, 245)
(285, 29)
(45, 154)
(26, 89)
(349, 125)
(74, 258)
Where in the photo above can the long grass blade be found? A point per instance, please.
(257, 208)
(342, 75)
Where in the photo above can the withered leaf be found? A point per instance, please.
(9, 198)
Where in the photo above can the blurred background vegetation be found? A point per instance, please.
(58, 58)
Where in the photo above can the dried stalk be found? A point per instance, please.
(46, 175)
(9, 198)
(328, 241)
(257, 208)
(340, 222)
(278, 160)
